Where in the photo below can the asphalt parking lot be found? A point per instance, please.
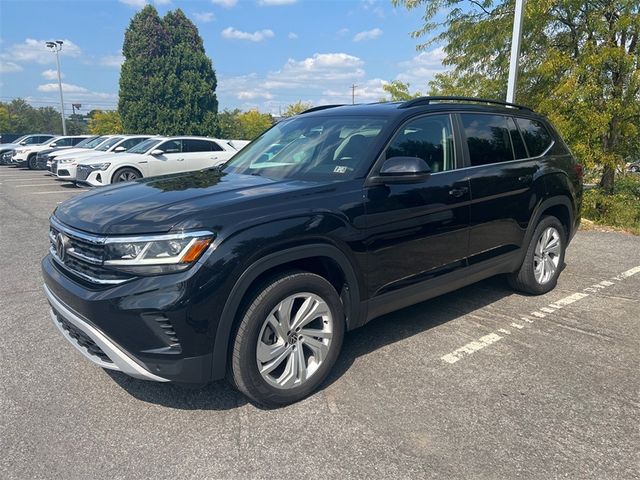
(480, 383)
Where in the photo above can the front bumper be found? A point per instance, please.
(66, 171)
(148, 321)
(94, 344)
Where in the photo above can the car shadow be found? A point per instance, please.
(381, 332)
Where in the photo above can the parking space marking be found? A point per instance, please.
(58, 191)
(28, 185)
(493, 337)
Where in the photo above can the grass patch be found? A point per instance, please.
(620, 210)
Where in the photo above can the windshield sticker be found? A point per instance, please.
(340, 169)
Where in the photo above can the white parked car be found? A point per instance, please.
(156, 156)
(65, 165)
(26, 154)
(87, 144)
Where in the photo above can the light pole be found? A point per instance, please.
(56, 47)
(515, 51)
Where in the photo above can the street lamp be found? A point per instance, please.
(56, 47)
(516, 37)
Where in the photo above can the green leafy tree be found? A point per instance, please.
(579, 65)
(167, 83)
(4, 119)
(296, 108)
(253, 123)
(228, 124)
(105, 123)
(399, 91)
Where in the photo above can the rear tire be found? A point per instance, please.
(125, 174)
(544, 259)
(288, 339)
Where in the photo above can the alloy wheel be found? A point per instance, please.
(294, 340)
(546, 257)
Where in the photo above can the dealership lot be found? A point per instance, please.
(480, 383)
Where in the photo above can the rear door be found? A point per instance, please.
(171, 160)
(201, 153)
(503, 186)
(417, 231)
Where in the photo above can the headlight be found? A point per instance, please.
(96, 166)
(65, 160)
(156, 253)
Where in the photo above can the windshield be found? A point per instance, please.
(108, 144)
(310, 148)
(84, 143)
(50, 141)
(18, 140)
(93, 143)
(145, 146)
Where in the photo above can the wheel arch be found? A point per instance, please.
(323, 259)
(559, 206)
(120, 167)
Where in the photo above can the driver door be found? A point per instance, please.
(170, 161)
(417, 231)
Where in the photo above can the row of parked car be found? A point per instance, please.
(101, 160)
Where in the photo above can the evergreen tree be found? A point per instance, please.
(167, 83)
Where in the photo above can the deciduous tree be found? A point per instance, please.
(579, 65)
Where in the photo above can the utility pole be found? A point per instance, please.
(353, 94)
(516, 37)
(56, 47)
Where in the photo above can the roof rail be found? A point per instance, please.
(427, 100)
(322, 107)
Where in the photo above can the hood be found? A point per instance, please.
(196, 200)
(60, 151)
(9, 146)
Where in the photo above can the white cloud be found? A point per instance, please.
(66, 87)
(9, 67)
(367, 35)
(342, 32)
(52, 74)
(292, 36)
(253, 94)
(270, 3)
(422, 68)
(373, 6)
(32, 50)
(225, 3)
(257, 36)
(114, 61)
(204, 17)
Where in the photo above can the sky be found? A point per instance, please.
(267, 54)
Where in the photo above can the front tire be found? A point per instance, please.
(288, 339)
(125, 175)
(544, 259)
(31, 162)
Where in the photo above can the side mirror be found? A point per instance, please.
(157, 152)
(119, 149)
(53, 145)
(402, 170)
(24, 142)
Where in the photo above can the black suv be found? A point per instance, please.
(256, 269)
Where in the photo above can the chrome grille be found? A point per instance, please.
(54, 166)
(82, 255)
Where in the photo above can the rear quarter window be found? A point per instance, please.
(488, 138)
(536, 136)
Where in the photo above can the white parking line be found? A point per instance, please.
(34, 185)
(487, 340)
(59, 191)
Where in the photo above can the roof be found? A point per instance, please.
(393, 109)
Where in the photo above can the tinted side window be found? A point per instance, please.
(516, 140)
(429, 138)
(33, 141)
(171, 146)
(487, 137)
(132, 142)
(535, 136)
(197, 145)
(76, 140)
(63, 142)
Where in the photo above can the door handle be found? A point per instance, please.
(458, 192)
(525, 178)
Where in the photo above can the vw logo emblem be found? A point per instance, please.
(61, 246)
